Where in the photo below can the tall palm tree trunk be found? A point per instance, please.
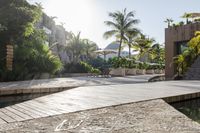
(120, 46)
(168, 24)
(129, 49)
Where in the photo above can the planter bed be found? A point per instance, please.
(141, 71)
(132, 71)
(150, 71)
(118, 72)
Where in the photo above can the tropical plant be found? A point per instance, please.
(121, 23)
(17, 19)
(31, 55)
(89, 68)
(32, 58)
(89, 48)
(80, 67)
(130, 38)
(98, 62)
(178, 24)
(180, 64)
(197, 20)
(143, 65)
(194, 44)
(169, 21)
(80, 49)
(157, 53)
(187, 16)
(122, 62)
(75, 47)
(143, 45)
(181, 23)
(186, 59)
(155, 66)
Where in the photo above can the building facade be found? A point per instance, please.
(176, 39)
(56, 36)
(115, 46)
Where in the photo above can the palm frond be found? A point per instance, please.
(112, 24)
(130, 15)
(110, 33)
(131, 23)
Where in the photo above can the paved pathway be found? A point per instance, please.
(83, 98)
(60, 84)
(75, 81)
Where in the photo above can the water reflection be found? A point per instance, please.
(14, 99)
(190, 108)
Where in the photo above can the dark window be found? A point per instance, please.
(181, 47)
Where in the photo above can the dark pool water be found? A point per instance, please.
(14, 99)
(190, 108)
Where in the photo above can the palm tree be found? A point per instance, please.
(39, 5)
(187, 16)
(169, 21)
(157, 53)
(142, 45)
(75, 47)
(80, 49)
(89, 48)
(130, 36)
(122, 22)
(179, 61)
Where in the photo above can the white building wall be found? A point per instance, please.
(123, 54)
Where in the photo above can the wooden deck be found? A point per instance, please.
(83, 98)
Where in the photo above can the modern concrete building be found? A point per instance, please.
(176, 39)
(56, 34)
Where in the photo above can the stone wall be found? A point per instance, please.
(193, 72)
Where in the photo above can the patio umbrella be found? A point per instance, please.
(105, 52)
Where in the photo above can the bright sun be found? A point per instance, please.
(83, 16)
(72, 12)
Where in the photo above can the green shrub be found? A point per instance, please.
(143, 65)
(96, 71)
(156, 66)
(122, 62)
(32, 57)
(36, 62)
(81, 67)
(98, 62)
(150, 67)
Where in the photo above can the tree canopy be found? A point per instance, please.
(80, 49)
(17, 28)
(121, 23)
(18, 18)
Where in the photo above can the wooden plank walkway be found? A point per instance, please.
(83, 98)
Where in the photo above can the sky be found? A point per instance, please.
(88, 16)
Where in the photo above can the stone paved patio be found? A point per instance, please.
(60, 84)
(75, 81)
(143, 117)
